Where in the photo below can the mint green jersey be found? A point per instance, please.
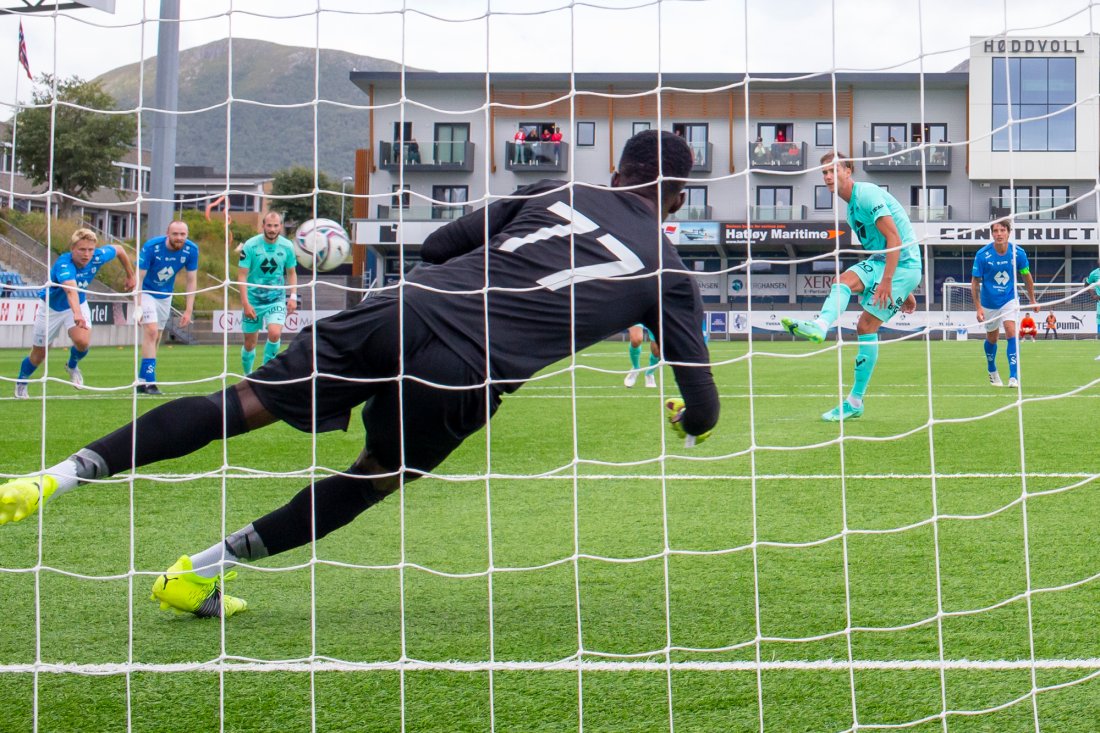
(1094, 280)
(267, 265)
(868, 204)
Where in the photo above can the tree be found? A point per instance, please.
(85, 141)
(297, 181)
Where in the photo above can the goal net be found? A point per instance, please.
(1073, 306)
(930, 566)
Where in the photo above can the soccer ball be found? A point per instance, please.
(324, 238)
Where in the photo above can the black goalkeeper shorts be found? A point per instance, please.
(438, 403)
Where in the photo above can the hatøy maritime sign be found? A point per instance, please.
(1034, 45)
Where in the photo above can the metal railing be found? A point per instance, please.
(1032, 208)
(422, 213)
(901, 157)
(434, 155)
(777, 213)
(930, 213)
(538, 157)
(778, 156)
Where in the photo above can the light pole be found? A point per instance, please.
(343, 184)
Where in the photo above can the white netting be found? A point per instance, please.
(926, 568)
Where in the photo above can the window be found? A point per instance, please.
(639, 127)
(449, 145)
(695, 203)
(774, 203)
(696, 134)
(1022, 196)
(928, 203)
(402, 201)
(399, 127)
(1054, 199)
(9, 159)
(242, 202)
(771, 132)
(586, 134)
(823, 198)
(457, 195)
(823, 135)
(1034, 87)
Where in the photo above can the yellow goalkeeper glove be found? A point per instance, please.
(674, 411)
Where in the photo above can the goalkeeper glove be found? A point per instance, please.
(674, 411)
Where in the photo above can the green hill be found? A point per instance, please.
(264, 138)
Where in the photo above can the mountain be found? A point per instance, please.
(264, 139)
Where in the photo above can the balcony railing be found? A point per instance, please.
(778, 156)
(930, 213)
(693, 213)
(703, 153)
(1032, 208)
(777, 213)
(438, 155)
(897, 157)
(422, 213)
(540, 157)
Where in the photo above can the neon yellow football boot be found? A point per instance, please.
(183, 591)
(20, 497)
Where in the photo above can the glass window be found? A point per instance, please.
(1053, 199)
(456, 195)
(1032, 93)
(1022, 196)
(586, 134)
(823, 136)
(404, 200)
(823, 198)
(695, 203)
(639, 127)
(449, 145)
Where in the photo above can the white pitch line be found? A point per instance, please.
(329, 665)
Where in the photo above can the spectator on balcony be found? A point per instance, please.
(793, 154)
(520, 140)
(555, 138)
(779, 147)
(412, 153)
(759, 152)
(893, 147)
(533, 145)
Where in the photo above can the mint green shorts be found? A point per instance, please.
(265, 316)
(869, 272)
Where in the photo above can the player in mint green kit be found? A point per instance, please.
(885, 281)
(269, 284)
(1094, 279)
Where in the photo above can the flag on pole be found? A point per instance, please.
(23, 53)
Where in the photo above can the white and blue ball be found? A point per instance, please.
(321, 241)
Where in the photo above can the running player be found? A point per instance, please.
(574, 264)
(65, 305)
(884, 281)
(637, 334)
(160, 261)
(993, 287)
(269, 289)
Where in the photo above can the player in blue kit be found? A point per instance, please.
(993, 287)
(160, 261)
(66, 305)
(884, 282)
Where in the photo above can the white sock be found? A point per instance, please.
(65, 475)
(210, 564)
(856, 402)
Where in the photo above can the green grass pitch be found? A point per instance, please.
(586, 538)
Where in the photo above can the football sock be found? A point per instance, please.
(991, 355)
(835, 304)
(271, 350)
(82, 466)
(315, 511)
(248, 358)
(148, 372)
(866, 357)
(26, 369)
(214, 560)
(171, 430)
(75, 355)
(635, 357)
(1013, 360)
(654, 360)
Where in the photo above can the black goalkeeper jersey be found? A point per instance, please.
(544, 289)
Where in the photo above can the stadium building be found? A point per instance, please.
(940, 142)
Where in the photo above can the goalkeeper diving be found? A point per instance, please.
(432, 359)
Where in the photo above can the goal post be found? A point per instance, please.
(1073, 305)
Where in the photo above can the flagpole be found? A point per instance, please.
(14, 120)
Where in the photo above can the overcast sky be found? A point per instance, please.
(553, 35)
